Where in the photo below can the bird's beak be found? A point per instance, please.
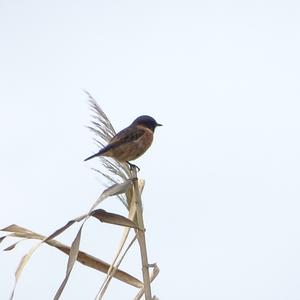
(157, 124)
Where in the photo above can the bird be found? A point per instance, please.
(131, 142)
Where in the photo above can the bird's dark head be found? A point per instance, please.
(146, 121)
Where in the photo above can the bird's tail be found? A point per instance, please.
(95, 155)
(102, 151)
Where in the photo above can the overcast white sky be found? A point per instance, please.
(222, 177)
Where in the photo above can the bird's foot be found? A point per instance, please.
(131, 166)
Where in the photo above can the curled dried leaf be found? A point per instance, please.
(112, 218)
(11, 246)
(114, 190)
(2, 238)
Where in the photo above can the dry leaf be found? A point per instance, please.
(2, 238)
(71, 261)
(12, 246)
(84, 258)
(63, 228)
(15, 228)
(115, 189)
(155, 271)
(111, 218)
(22, 265)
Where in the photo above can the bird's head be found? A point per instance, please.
(147, 122)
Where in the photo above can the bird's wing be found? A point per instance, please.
(129, 134)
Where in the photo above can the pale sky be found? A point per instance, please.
(222, 177)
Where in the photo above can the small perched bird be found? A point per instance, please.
(131, 142)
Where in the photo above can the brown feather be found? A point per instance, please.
(129, 143)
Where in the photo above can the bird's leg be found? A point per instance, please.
(131, 166)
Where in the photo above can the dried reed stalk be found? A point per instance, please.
(141, 236)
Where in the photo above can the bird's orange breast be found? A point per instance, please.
(133, 149)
